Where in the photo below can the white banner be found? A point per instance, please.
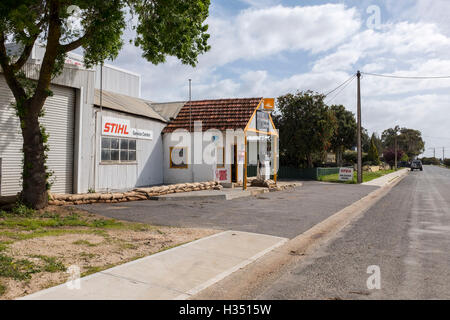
(345, 174)
(121, 128)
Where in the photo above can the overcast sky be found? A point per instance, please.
(267, 48)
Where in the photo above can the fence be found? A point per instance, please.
(305, 173)
(297, 173)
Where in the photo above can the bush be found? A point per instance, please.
(351, 157)
(389, 156)
(432, 161)
(447, 162)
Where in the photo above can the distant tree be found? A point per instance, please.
(389, 156)
(365, 140)
(408, 140)
(344, 136)
(306, 127)
(405, 158)
(373, 152)
(431, 160)
(378, 143)
(163, 28)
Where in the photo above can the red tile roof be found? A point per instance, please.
(215, 114)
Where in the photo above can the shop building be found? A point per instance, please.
(104, 137)
(220, 140)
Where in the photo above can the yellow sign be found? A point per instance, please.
(269, 103)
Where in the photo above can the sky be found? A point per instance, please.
(267, 48)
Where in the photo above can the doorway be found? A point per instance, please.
(234, 164)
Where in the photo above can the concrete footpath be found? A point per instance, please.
(176, 273)
(387, 179)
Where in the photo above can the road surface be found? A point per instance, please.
(285, 213)
(406, 234)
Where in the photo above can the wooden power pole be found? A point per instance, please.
(359, 168)
(395, 150)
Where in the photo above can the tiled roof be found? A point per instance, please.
(215, 114)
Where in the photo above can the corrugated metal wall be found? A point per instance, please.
(148, 169)
(118, 81)
(59, 121)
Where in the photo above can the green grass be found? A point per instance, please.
(2, 289)
(17, 269)
(51, 264)
(367, 176)
(84, 243)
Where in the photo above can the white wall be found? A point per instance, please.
(148, 169)
(200, 171)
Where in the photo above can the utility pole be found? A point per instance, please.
(395, 151)
(434, 153)
(443, 154)
(190, 111)
(359, 168)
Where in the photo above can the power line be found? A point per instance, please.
(345, 82)
(405, 77)
(339, 92)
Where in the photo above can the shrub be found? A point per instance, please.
(432, 161)
(447, 162)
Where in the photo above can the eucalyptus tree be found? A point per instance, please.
(162, 28)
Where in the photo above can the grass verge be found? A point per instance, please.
(367, 176)
(36, 248)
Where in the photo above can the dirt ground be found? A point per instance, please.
(36, 250)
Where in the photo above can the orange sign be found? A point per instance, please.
(269, 103)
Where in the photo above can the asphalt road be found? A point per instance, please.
(406, 234)
(285, 213)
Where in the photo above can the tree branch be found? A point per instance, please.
(76, 43)
(28, 48)
(10, 77)
(48, 62)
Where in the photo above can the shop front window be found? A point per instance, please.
(118, 150)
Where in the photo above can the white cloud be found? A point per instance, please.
(259, 33)
(414, 42)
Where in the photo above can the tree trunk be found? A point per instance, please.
(310, 160)
(339, 153)
(34, 192)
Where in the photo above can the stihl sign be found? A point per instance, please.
(121, 128)
(114, 128)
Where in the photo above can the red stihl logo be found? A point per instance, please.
(115, 128)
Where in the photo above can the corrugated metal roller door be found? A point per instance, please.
(59, 122)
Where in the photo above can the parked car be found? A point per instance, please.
(416, 164)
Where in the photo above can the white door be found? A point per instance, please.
(59, 122)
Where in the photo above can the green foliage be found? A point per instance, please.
(346, 128)
(306, 127)
(350, 157)
(21, 269)
(84, 243)
(431, 161)
(405, 158)
(344, 137)
(447, 162)
(408, 140)
(367, 176)
(21, 209)
(172, 27)
(51, 264)
(372, 155)
(163, 28)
